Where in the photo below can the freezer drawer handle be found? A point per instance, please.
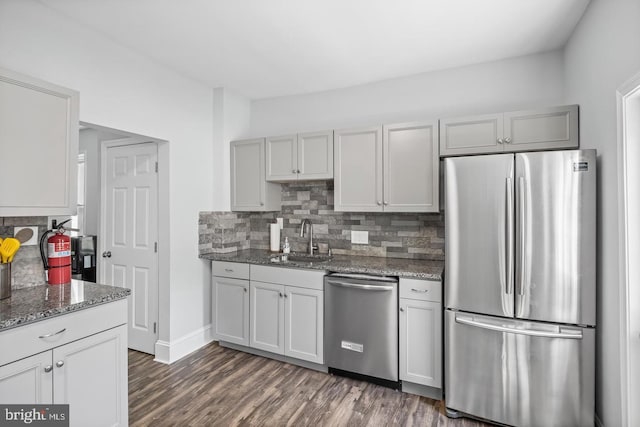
(569, 333)
(363, 287)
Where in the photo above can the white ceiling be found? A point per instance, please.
(267, 48)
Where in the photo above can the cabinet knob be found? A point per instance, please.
(286, 296)
(48, 368)
(261, 203)
(294, 171)
(298, 171)
(280, 294)
(507, 140)
(379, 203)
(402, 309)
(500, 141)
(386, 203)
(245, 289)
(60, 363)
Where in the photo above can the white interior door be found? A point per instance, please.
(130, 257)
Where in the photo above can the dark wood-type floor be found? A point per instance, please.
(217, 386)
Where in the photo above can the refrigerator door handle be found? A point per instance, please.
(522, 230)
(563, 332)
(509, 234)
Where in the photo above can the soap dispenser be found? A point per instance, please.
(285, 249)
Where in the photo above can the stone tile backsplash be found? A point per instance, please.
(395, 235)
(26, 269)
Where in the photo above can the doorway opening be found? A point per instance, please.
(628, 97)
(138, 244)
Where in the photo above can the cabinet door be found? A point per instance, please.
(411, 167)
(358, 170)
(282, 158)
(304, 324)
(544, 129)
(38, 128)
(91, 376)
(315, 155)
(267, 317)
(27, 381)
(247, 174)
(231, 310)
(421, 342)
(470, 135)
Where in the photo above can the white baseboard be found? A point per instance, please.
(169, 352)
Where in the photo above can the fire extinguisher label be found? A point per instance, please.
(59, 250)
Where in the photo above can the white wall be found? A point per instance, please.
(231, 113)
(89, 144)
(518, 83)
(603, 52)
(121, 89)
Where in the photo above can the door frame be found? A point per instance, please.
(163, 221)
(628, 135)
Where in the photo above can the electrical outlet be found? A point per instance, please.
(360, 237)
(34, 238)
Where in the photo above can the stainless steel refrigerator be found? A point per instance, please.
(520, 242)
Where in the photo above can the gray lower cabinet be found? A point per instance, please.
(230, 302)
(249, 189)
(421, 332)
(541, 129)
(391, 168)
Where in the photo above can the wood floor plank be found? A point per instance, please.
(217, 386)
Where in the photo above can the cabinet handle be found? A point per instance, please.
(229, 270)
(507, 140)
(48, 368)
(53, 333)
(60, 363)
(424, 291)
(402, 309)
(500, 141)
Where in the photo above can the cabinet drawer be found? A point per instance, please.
(23, 341)
(310, 279)
(426, 290)
(234, 270)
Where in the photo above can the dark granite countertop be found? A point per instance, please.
(409, 268)
(35, 303)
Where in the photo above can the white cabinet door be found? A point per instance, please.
(411, 167)
(315, 155)
(38, 128)
(267, 317)
(473, 134)
(304, 323)
(27, 381)
(231, 310)
(91, 376)
(544, 129)
(358, 170)
(421, 342)
(249, 189)
(282, 158)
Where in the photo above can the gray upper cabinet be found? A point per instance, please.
(394, 168)
(249, 189)
(305, 156)
(544, 129)
(38, 128)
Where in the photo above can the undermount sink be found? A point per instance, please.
(302, 257)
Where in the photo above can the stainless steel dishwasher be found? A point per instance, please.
(361, 327)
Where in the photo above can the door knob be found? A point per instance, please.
(106, 254)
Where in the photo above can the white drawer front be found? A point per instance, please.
(234, 270)
(23, 341)
(426, 290)
(310, 279)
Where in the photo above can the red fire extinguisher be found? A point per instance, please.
(57, 263)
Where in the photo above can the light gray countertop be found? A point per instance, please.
(35, 303)
(409, 268)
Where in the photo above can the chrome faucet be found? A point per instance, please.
(311, 245)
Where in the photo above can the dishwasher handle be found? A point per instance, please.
(359, 286)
